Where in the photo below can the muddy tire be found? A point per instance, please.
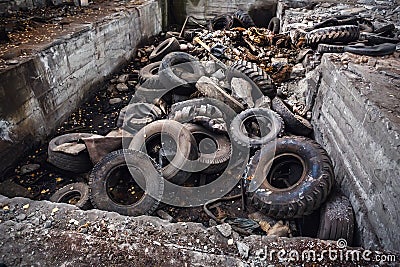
(274, 25)
(103, 186)
(293, 123)
(244, 19)
(76, 194)
(150, 71)
(299, 191)
(137, 115)
(336, 34)
(186, 147)
(326, 48)
(223, 22)
(374, 50)
(218, 159)
(243, 122)
(337, 219)
(170, 80)
(74, 163)
(253, 74)
(167, 46)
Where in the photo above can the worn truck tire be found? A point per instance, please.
(150, 71)
(374, 50)
(167, 46)
(274, 25)
(186, 147)
(243, 18)
(222, 22)
(74, 163)
(102, 183)
(244, 120)
(170, 80)
(299, 181)
(76, 194)
(253, 74)
(217, 160)
(336, 34)
(337, 219)
(293, 123)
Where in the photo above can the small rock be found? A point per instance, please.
(230, 241)
(165, 216)
(209, 67)
(114, 101)
(29, 168)
(243, 249)
(242, 89)
(123, 78)
(21, 217)
(43, 217)
(219, 74)
(110, 88)
(36, 221)
(183, 47)
(122, 87)
(298, 71)
(279, 229)
(225, 229)
(12, 62)
(47, 224)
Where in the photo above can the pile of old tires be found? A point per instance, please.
(178, 97)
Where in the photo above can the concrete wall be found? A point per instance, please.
(38, 94)
(15, 5)
(356, 118)
(260, 10)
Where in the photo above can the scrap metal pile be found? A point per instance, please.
(213, 97)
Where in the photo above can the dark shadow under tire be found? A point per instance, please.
(299, 180)
(76, 194)
(219, 159)
(104, 177)
(293, 123)
(244, 120)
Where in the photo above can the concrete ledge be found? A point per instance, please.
(356, 118)
(39, 93)
(52, 234)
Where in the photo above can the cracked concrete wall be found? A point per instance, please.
(354, 118)
(38, 94)
(260, 10)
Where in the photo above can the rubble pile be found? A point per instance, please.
(231, 84)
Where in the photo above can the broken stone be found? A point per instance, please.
(279, 229)
(209, 67)
(29, 168)
(12, 62)
(225, 229)
(70, 148)
(210, 89)
(122, 87)
(219, 74)
(21, 217)
(183, 47)
(123, 78)
(298, 71)
(242, 89)
(243, 249)
(114, 101)
(164, 215)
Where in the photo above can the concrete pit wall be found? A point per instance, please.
(260, 10)
(41, 92)
(356, 118)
